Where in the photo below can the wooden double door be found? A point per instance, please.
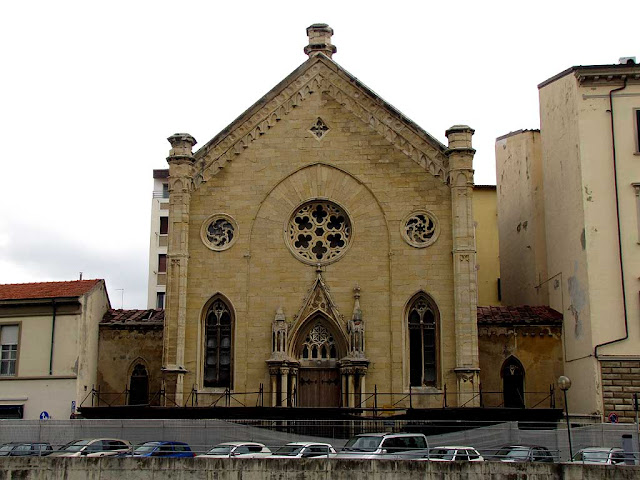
(319, 387)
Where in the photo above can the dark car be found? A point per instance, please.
(20, 449)
(523, 453)
(162, 449)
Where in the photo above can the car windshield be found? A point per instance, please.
(442, 453)
(363, 444)
(220, 450)
(146, 447)
(289, 450)
(519, 453)
(600, 456)
(75, 446)
(5, 449)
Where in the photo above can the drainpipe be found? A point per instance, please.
(53, 331)
(615, 180)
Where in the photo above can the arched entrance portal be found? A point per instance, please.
(319, 375)
(513, 383)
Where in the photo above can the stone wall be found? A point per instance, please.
(311, 469)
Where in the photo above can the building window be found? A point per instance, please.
(162, 263)
(164, 225)
(139, 386)
(9, 349)
(423, 353)
(637, 114)
(165, 190)
(160, 300)
(219, 232)
(319, 232)
(217, 352)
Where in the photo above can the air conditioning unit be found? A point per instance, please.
(627, 60)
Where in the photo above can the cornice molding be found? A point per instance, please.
(320, 78)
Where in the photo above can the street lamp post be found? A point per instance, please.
(565, 384)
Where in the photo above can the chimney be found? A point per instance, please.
(320, 40)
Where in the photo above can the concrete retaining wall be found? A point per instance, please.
(304, 469)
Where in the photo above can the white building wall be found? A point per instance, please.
(157, 242)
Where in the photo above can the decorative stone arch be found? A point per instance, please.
(423, 353)
(299, 335)
(512, 373)
(138, 380)
(217, 339)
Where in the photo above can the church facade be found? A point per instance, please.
(321, 247)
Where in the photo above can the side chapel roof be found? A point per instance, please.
(518, 315)
(115, 318)
(321, 74)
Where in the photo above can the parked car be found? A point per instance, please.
(600, 456)
(237, 449)
(523, 453)
(25, 449)
(93, 447)
(386, 445)
(161, 449)
(304, 450)
(455, 454)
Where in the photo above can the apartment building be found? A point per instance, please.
(569, 223)
(158, 240)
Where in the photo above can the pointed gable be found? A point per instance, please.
(320, 74)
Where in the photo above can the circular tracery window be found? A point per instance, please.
(420, 229)
(219, 232)
(319, 232)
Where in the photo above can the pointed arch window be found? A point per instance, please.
(218, 345)
(513, 383)
(139, 386)
(423, 353)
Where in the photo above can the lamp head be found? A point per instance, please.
(564, 383)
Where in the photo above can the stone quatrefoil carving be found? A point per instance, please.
(420, 229)
(318, 232)
(319, 129)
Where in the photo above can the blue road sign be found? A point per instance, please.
(44, 415)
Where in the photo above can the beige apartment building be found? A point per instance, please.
(49, 343)
(569, 224)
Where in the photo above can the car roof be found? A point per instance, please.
(387, 434)
(306, 444)
(233, 444)
(601, 449)
(458, 447)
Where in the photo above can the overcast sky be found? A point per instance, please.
(89, 92)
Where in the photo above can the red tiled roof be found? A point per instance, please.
(131, 317)
(20, 291)
(518, 315)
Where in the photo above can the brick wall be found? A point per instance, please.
(620, 380)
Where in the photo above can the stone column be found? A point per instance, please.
(274, 386)
(180, 161)
(284, 383)
(460, 153)
(293, 374)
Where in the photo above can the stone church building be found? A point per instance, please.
(319, 245)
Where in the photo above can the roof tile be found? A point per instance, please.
(21, 291)
(518, 315)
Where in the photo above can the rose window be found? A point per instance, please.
(420, 229)
(319, 232)
(219, 232)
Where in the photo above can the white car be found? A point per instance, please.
(455, 454)
(93, 447)
(304, 450)
(237, 449)
(600, 456)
